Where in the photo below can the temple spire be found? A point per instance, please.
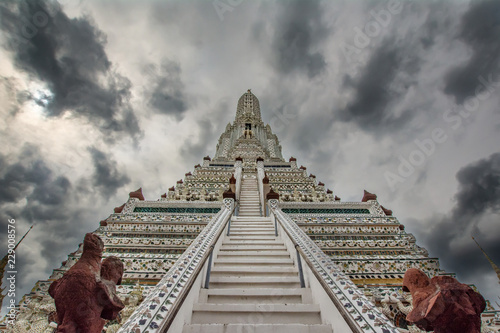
(248, 109)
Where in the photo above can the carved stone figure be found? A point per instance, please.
(82, 297)
(443, 304)
(111, 276)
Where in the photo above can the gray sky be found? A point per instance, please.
(398, 98)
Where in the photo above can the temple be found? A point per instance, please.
(250, 242)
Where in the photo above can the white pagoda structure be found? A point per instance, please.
(250, 242)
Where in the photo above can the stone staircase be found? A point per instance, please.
(249, 198)
(254, 285)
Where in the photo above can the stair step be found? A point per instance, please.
(231, 245)
(257, 218)
(253, 261)
(251, 238)
(257, 328)
(254, 299)
(242, 241)
(204, 313)
(251, 233)
(252, 280)
(253, 254)
(252, 226)
(255, 270)
(244, 247)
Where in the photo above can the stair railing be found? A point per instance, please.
(260, 176)
(349, 308)
(238, 171)
(158, 311)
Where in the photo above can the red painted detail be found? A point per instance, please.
(272, 195)
(137, 194)
(368, 196)
(387, 212)
(118, 210)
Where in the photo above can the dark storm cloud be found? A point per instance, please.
(480, 30)
(165, 90)
(299, 29)
(478, 198)
(106, 176)
(68, 56)
(18, 178)
(210, 127)
(379, 86)
(34, 194)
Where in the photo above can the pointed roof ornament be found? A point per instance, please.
(368, 196)
(119, 209)
(387, 212)
(137, 194)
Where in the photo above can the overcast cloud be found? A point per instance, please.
(99, 98)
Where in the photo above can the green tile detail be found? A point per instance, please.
(192, 210)
(325, 211)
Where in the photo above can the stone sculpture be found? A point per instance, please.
(86, 295)
(443, 304)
